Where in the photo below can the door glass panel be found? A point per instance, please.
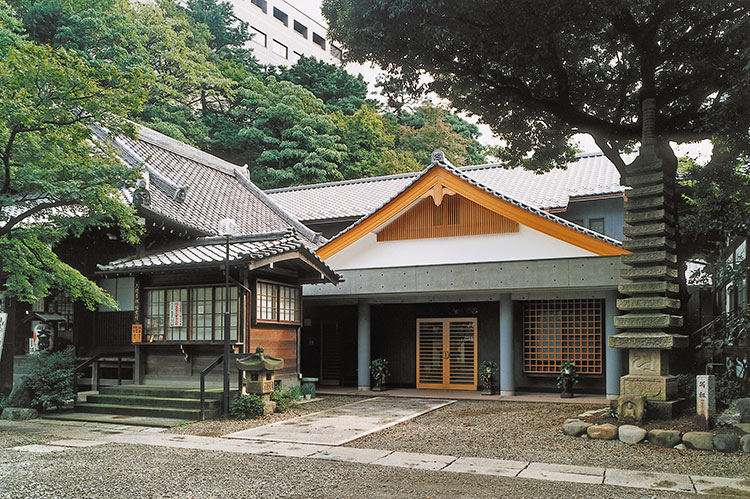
(462, 349)
(430, 348)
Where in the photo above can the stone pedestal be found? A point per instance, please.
(650, 311)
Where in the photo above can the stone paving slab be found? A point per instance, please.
(38, 448)
(714, 485)
(563, 473)
(345, 423)
(116, 419)
(239, 446)
(287, 449)
(74, 442)
(485, 466)
(351, 454)
(648, 480)
(416, 460)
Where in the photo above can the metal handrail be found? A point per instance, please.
(93, 359)
(204, 372)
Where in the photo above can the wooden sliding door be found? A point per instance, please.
(447, 353)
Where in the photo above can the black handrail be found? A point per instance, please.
(204, 372)
(93, 359)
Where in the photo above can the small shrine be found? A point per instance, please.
(260, 369)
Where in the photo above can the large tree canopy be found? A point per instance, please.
(539, 72)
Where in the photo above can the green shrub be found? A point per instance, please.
(3, 402)
(283, 404)
(247, 407)
(307, 389)
(293, 393)
(286, 400)
(51, 379)
(686, 387)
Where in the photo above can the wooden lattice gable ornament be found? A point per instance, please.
(442, 181)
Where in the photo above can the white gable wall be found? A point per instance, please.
(527, 244)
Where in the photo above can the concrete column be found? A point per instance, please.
(363, 345)
(613, 356)
(507, 367)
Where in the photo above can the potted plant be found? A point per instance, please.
(567, 378)
(307, 390)
(488, 371)
(380, 373)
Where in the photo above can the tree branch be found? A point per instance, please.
(5, 229)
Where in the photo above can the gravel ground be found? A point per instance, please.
(219, 427)
(128, 471)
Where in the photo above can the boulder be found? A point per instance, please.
(726, 442)
(743, 427)
(664, 438)
(680, 447)
(733, 413)
(745, 415)
(631, 434)
(602, 431)
(572, 420)
(702, 440)
(18, 413)
(21, 395)
(745, 444)
(575, 428)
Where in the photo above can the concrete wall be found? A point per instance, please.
(611, 210)
(527, 244)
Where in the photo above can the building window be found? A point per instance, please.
(300, 28)
(261, 4)
(280, 49)
(559, 330)
(336, 52)
(281, 16)
(258, 37)
(277, 302)
(597, 225)
(189, 314)
(319, 41)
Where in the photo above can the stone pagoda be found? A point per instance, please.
(651, 308)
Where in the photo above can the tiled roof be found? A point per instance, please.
(439, 161)
(211, 251)
(589, 175)
(195, 190)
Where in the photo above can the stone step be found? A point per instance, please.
(661, 272)
(143, 411)
(644, 203)
(648, 216)
(648, 243)
(647, 257)
(648, 303)
(646, 230)
(647, 321)
(160, 391)
(137, 400)
(648, 287)
(648, 191)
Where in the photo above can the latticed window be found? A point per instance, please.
(559, 330)
(277, 302)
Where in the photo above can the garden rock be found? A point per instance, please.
(745, 444)
(743, 427)
(21, 395)
(701, 440)
(575, 428)
(602, 431)
(664, 438)
(745, 415)
(680, 447)
(726, 442)
(733, 413)
(572, 420)
(19, 413)
(631, 434)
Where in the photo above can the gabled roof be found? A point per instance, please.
(441, 171)
(195, 190)
(591, 174)
(210, 252)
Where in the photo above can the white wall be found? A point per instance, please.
(527, 244)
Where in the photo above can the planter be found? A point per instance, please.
(378, 388)
(486, 392)
(308, 396)
(567, 386)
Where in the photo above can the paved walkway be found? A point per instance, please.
(73, 435)
(582, 399)
(345, 423)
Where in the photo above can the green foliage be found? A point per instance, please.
(3, 402)
(540, 72)
(728, 339)
(339, 90)
(285, 400)
(488, 370)
(380, 370)
(307, 389)
(247, 406)
(728, 388)
(57, 180)
(568, 367)
(686, 387)
(51, 379)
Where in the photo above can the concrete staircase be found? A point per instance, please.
(153, 402)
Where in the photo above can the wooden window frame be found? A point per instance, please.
(216, 336)
(297, 301)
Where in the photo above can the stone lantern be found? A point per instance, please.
(260, 368)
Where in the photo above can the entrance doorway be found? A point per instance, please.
(447, 353)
